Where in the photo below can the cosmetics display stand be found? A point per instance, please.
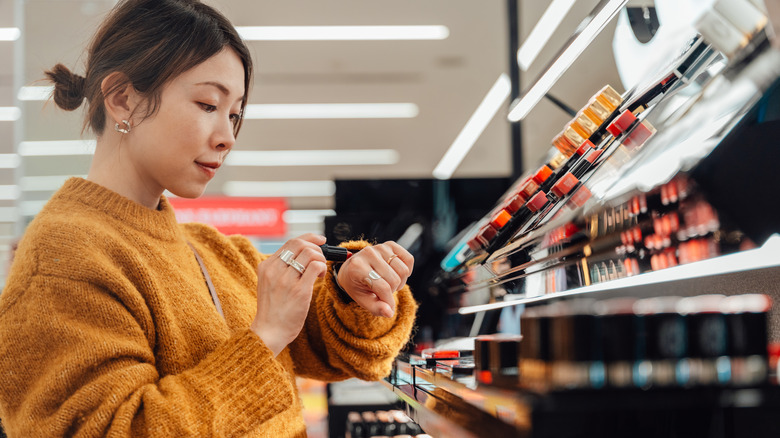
(656, 217)
(462, 408)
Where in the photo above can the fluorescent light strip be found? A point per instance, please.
(342, 33)
(31, 208)
(9, 161)
(44, 183)
(306, 216)
(10, 113)
(280, 189)
(8, 214)
(10, 33)
(9, 192)
(564, 61)
(56, 148)
(332, 111)
(35, 93)
(313, 158)
(542, 31)
(463, 143)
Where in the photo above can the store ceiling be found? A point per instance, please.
(445, 79)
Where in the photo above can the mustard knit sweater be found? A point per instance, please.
(107, 328)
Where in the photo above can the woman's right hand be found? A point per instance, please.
(284, 294)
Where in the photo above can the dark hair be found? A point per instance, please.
(150, 42)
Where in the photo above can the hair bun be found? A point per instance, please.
(68, 87)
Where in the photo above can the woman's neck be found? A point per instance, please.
(112, 169)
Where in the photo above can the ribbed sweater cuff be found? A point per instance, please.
(243, 382)
(359, 321)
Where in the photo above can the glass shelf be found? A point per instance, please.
(761, 260)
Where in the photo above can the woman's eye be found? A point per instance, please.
(208, 108)
(235, 118)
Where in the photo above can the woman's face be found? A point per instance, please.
(183, 144)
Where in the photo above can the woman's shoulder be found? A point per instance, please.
(212, 240)
(68, 230)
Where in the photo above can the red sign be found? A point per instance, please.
(248, 216)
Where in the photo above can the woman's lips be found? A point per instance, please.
(209, 168)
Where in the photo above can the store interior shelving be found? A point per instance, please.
(648, 218)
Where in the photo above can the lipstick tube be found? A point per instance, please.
(517, 221)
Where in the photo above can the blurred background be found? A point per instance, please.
(344, 90)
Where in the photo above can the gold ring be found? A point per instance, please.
(394, 256)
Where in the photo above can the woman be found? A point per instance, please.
(117, 321)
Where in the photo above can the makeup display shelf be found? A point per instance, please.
(648, 197)
(460, 407)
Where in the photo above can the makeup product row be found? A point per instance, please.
(596, 130)
(707, 340)
(668, 226)
(606, 123)
(380, 424)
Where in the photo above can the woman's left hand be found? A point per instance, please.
(372, 275)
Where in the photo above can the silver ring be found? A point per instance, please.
(297, 266)
(287, 257)
(372, 275)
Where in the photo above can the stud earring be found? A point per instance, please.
(124, 130)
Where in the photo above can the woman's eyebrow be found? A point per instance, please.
(219, 86)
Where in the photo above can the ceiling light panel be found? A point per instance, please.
(342, 33)
(561, 64)
(31, 93)
(280, 189)
(476, 124)
(10, 33)
(10, 113)
(365, 157)
(332, 111)
(307, 216)
(9, 161)
(56, 147)
(542, 32)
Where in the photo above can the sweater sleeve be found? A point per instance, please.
(342, 340)
(77, 361)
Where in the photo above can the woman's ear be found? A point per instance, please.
(120, 97)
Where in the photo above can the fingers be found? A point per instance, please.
(293, 259)
(397, 260)
(372, 275)
(297, 244)
(375, 305)
(403, 255)
(313, 270)
(376, 257)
